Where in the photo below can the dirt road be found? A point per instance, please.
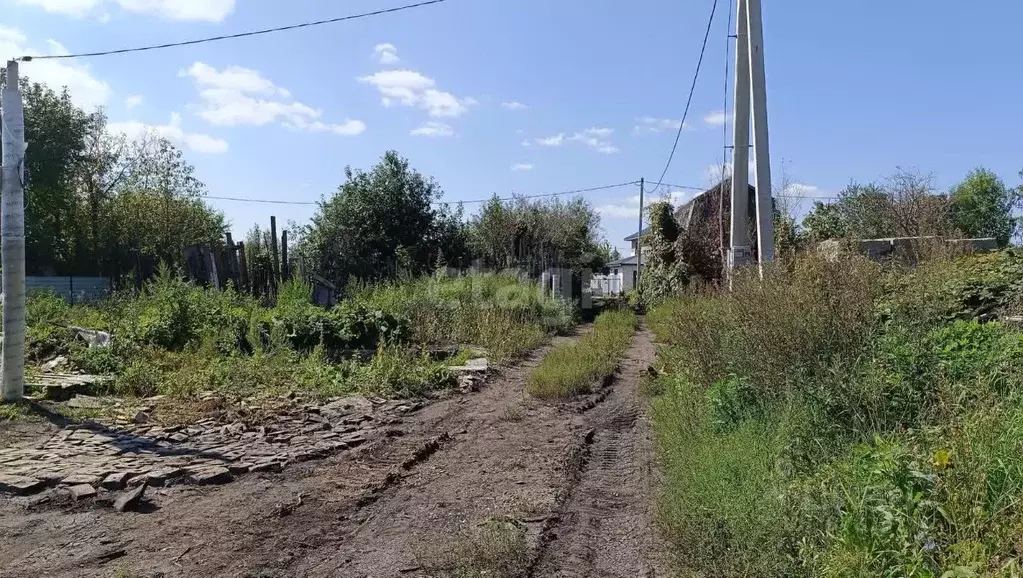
(572, 487)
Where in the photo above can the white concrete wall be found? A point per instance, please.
(612, 283)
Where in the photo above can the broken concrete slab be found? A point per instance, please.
(62, 386)
(82, 492)
(160, 477)
(210, 476)
(115, 481)
(20, 485)
(79, 479)
(130, 500)
(478, 365)
(54, 363)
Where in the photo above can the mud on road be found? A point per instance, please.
(574, 479)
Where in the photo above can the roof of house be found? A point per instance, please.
(633, 260)
(636, 236)
(686, 208)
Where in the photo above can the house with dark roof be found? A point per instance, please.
(708, 213)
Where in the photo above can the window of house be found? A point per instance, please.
(614, 272)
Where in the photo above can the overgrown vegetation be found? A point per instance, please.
(573, 368)
(178, 339)
(845, 419)
(503, 314)
(495, 548)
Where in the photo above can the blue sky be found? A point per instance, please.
(854, 90)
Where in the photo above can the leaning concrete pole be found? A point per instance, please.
(761, 148)
(12, 237)
(739, 249)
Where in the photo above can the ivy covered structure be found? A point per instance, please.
(689, 242)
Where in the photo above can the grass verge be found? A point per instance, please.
(845, 419)
(495, 548)
(574, 368)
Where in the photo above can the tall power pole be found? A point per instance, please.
(639, 239)
(12, 237)
(761, 145)
(739, 254)
(750, 99)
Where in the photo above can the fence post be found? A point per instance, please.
(285, 267)
(244, 266)
(273, 254)
(12, 237)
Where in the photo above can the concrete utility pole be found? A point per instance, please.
(750, 84)
(639, 239)
(739, 253)
(12, 237)
(761, 145)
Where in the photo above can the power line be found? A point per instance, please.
(670, 185)
(512, 198)
(572, 192)
(692, 89)
(267, 201)
(231, 36)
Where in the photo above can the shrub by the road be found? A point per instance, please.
(844, 419)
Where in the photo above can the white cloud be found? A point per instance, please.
(522, 167)
(410, 88)
(241, 96)
(204, 10)
(598, 139)
(551, 141)
(386, 53)
(132, 101)
(347, 128)
(434, 129)
(649, 124)
(630, 208)
(526, 143)
(717, 118)
(172, 131)
(232, 78)
(514, 105)
(86, 90)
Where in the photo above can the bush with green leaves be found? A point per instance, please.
(504, 314)
(840, 419)
(178, 338)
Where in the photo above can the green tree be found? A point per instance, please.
(58, 133)
(982, 206)
(903, 205)
(823, 222)
(376, 219)
(94, 198)
(536, 234)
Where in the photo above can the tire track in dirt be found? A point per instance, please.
(576, 477)
(273, 525)
(512, 457)
(605, 528)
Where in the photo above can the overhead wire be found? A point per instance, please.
(692, 90)
(467, 202)
(673, 186)
(29, 58)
